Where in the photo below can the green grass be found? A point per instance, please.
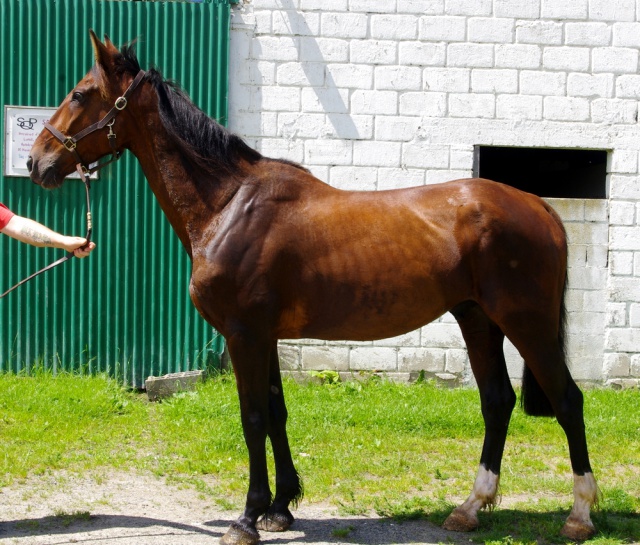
(402, 451)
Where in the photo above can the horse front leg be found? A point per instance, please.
(250, 359)
(288, 486)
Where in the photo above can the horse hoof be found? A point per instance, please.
(460, 521)
(578, 530)
(239, 536)
(275, 522)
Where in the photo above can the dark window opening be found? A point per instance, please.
(561, 173)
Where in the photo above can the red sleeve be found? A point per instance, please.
(5, 215)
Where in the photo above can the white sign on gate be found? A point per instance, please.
(22, 125)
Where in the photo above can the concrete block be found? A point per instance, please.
(622, 339)
(344, 25)
(374, 52)
(300, 74)
(634, 314)
(558, 108)
(465, 55)
(330, 100)
(422, 54)
(472, 105)
(590, 85)
(381, 154)
(403, 78)
(626, 34)
(567, 9)
(621, 263)
(297, 125)
(542, 83)
(614, 111)
(328, 152)
(442, 29)
(328, 50)
(612, 10)
(627, 86)
(616, 315)
(368, 7)
(295, 23)
(517, 107)
(468, 7)
(421, 7)
(290, 357)
(350, 127)
(456, 361)
(539, 32)
(276, 48)
(494, 81)
(490, 30)
(374, 102)
(423, 104)
(431, 360)
(442, 335)
(517, 9)
(322, 358)
(635, 365)
(159, 388)
(394, 27)
(282, 148)
(623, 384)
(278, 99)
(396, 128)
(625, 238)
(352, 76)
(618, 60)
(590, 33)
(396, 178)
(623, 212)
(412, 338)
(519, 56)
(449, 80)
(354, 178)
(425, 155)
(571, 59)
(624, 161)
(377, 358)
(324, 5)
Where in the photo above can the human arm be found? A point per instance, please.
(34, 233)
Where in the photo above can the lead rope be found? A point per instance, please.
(87, 186)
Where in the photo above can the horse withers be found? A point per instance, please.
(276, 254)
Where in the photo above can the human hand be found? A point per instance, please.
(79, 246)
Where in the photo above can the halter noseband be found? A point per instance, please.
(70, 142)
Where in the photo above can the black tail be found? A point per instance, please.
(534, 401)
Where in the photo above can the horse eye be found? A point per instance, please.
(77, 96)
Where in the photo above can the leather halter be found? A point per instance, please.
(69, 142)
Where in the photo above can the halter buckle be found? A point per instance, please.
(121, 103)
(70, 144)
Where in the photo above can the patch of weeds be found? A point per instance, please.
(328, 378)
(67, 519)
(342, 532)
(353, 507)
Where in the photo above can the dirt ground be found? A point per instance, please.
(133, 509)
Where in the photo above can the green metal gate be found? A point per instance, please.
(125, 309)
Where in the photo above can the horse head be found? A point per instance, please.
(83, 129)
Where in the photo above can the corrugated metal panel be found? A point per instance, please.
(125, 308)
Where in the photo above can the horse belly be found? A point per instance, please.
(373, 298)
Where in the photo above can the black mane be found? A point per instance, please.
(202, 141)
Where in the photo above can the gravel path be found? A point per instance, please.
(132, 509)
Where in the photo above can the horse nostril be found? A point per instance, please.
(30, 164)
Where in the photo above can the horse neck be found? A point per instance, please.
(190, 206)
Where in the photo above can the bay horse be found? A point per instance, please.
(278, 254)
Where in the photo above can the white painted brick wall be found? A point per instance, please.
(382, 95)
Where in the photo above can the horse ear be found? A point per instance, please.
(100, 50)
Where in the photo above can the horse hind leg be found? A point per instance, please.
(484, 341)
(549, 390)
(289, 490)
